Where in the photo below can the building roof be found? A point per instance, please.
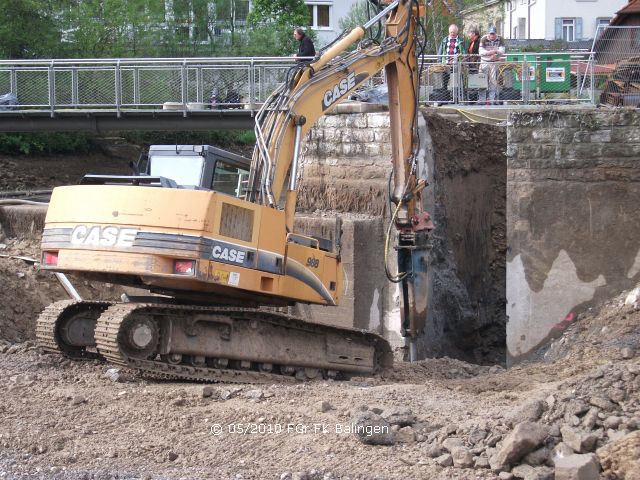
(633, 7)
(519, 44)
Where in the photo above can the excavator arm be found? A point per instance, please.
(310, 91)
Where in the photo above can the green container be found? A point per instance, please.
(548, 72)
(555, 72)
(533, 66)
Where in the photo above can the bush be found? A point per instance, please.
(61, 143)
(217, 138)
(49, 143)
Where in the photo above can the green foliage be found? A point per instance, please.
(292, 13)
(28, 29)
(358, 15)
(436, 25)
(271, 26)
(221, 139)
(50, 143)
(70, 142)
(112, 28)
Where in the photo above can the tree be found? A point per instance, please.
(28, 29)
(358, 15)
(271, 25)
(111, 28)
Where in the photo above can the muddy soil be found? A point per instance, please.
(41, 172)
(66, 420)
(447, 419)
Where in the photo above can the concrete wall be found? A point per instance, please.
(346, 170)
(369, 301)
(573, 203)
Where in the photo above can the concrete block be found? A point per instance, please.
(577, 467)
(524, 438)
(378, 120)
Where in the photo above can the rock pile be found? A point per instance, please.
(572, 434)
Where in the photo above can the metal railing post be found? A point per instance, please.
(52, 87)
(136, 86)
(251, 85)
(454, 77)
(199, 85)
(183, 84)
(74, 86)
(524, 81)
(591, 80)
(578, 82)
(118, 80)
(13, 81)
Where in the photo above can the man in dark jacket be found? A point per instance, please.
(306, 48)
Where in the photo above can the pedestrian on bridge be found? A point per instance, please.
(491, 51)
(306, 48)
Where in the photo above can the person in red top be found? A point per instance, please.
(473, 50)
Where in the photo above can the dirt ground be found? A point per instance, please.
(448, 419)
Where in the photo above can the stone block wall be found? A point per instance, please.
(346, 164)
(573, 203)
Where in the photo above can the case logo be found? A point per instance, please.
(97, 236)
(332, 95)
(228, 254)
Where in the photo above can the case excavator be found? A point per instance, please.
(221, 258)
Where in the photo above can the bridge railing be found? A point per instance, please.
(180, 84)
(516, 78)
(244, 83)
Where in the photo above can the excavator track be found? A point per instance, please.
(53, 319)
(115, 326)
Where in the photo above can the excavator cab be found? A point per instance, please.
(197, 167)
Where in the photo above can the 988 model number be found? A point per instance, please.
(255, 428)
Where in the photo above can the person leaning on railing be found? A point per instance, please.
(450, 48)
(491, 50)
(473, 50)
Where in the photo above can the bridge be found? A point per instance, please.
(142, 93)
(102, 95)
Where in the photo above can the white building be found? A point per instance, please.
(325, 18)
(568, 20)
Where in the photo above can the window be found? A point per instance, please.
(320, 15)
(187, 171)
(569, 29)
(601, 24)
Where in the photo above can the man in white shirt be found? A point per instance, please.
(491, 50)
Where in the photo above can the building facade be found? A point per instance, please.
(566, 20)
(325, 18)
(489, 14)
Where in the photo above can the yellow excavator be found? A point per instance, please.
(220, 258)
